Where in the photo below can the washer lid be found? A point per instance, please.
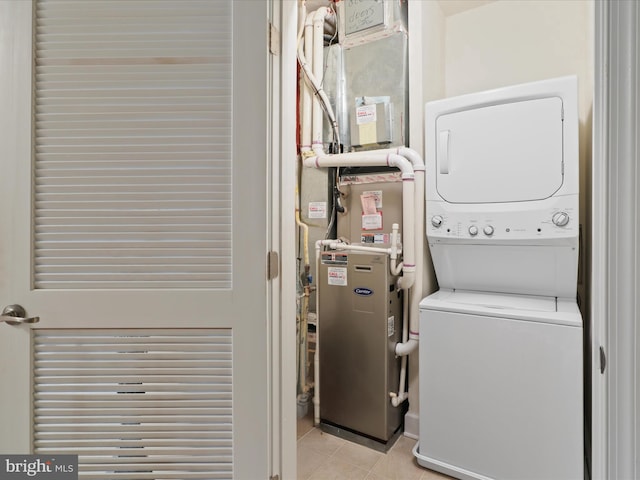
(510, 152)
(550, 310)
(500, 301)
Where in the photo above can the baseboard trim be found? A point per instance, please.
(412, 425)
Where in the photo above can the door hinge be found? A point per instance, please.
(273, 265)
(274, 40)
(603, 360)
(274, 477)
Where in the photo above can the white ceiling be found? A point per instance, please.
(452, 7)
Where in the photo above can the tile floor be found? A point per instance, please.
(322, 456)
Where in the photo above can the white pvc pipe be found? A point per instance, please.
(314, 82)
(395, 269)
(338, 245)
(316, 357)
(340, 15)
(302, 344)
(408, 346)
(302, 15)
(397, 399)
(401, 396)
(405, 348)
(384, 158)
(408, 234)
(411, 155)
(416, 292)
(318, 67)
(307, 94)
(360, 155)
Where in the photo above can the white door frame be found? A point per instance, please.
(599, 248)
(616, 268)
(284, 19)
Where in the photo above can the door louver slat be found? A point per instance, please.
(131, 421)
(132, 144)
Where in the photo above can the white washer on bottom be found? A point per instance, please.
(501, 386)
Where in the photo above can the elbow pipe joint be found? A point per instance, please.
(402, 164)
(320, 14)
(407, 280)
(412, 156)
(403, 349)
(317, 148)
(397, 400)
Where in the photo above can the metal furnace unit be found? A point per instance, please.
(360, 311)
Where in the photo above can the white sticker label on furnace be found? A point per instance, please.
(317, 209)
(372, 222)
(391, 326)
(337, 276)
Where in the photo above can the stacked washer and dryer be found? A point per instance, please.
(501, 341)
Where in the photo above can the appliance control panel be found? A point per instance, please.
(557, 221)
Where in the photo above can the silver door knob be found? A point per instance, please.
(16, 314)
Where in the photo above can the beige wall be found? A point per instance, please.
(508, 42)
(515, 41)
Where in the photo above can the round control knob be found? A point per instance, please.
(560, 219)
(473, 230)
(488, 230)
(436, 221)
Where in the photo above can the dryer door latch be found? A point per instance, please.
(603, 360)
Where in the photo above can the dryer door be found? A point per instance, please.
(510, 152)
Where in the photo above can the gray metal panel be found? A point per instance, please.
(358, 366)
(379, 68)
(350, 223)
(375, 68)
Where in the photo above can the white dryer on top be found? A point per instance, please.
(502, 189)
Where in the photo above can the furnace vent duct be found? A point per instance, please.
(366, 76)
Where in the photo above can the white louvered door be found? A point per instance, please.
(133, 223)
